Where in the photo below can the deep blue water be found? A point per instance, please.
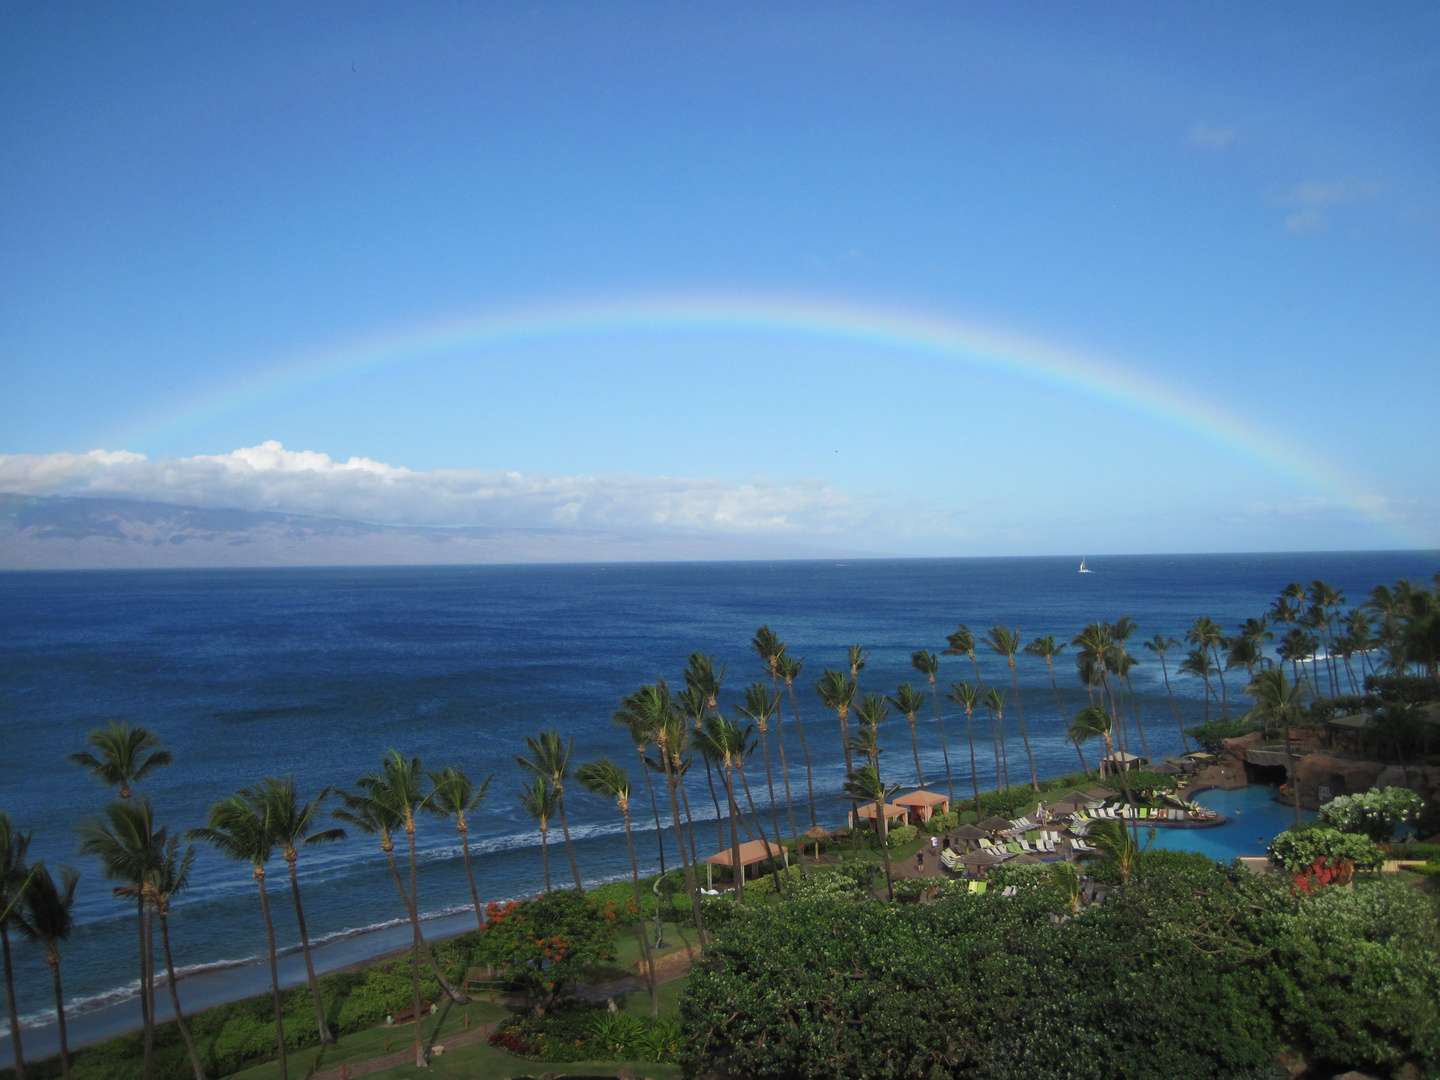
(320, 671)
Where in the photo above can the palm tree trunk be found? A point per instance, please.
(1224, 694)
(654, 807)
(690, 885)
(1135, 710)
(469, 876)
(770, 782)
(569, 847)
(545, 858)
(884, 833)
(689, 820)
(844, 722)
(640, 915)
(147, 1002)
(737, 871)
(995, 744)
(60, 1022)
(719, 817)
(805, 750)
(275, 976)
(1294, 775)
(180, 1022)
(1164, 670)
(10, 1002)
(415, 955)
(413, 911)
(1060, 708)
(944, 750)
(974, 768)
(1020, 719)
(326, 1038)
(915, 748)
(763, 838)
(785, 776)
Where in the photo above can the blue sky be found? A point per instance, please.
(1237, 204)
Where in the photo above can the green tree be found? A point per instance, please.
(539, 802)
(607, 779)
(642, 737)
(1094, 722)
(1297, 850)
(1112, 839)
(1047, 648)
(1372, 813)
(789, 668)
(701, 699)
(995, 703)
(720, 740)
(1006, 642)
(1206, 634)
(130, 848)
(549, 943)
(292, 825)
(928, 664)
(124, 755)
(47, 919)
(1160, 645)
(1278, 705)
(962, 643)
(238, 830)
(908, 701)
(760, 705)
(1197, 662)
(865, 785)
(550, 758)
(967, 697)
(453, 794)
(837, 691)
(15, 875)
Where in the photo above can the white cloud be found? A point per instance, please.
(270, 477)
(1313, 196)
(1211, 138)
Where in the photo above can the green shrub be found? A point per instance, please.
(900, 835)
(1372, 813)
(940, 824)
(1296, 850)
(1212, 736)
(1428, 852)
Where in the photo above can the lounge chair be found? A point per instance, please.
(1010, 890)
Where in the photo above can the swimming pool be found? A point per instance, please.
(1255, 818)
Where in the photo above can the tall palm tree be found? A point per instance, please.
(760, 705)
(745, 746)
(47, 919)
(539, 802)
(1047, 648)
(642, 737)
(1097, 650)
(855, 658)
(1197, 662)
(550, 758)
(837, 691)
(453, 794)
(126, 755)
(1111, 838)
(995, 702)
(908, 701)
(928, 664)
(719, 739)
(1206, 633)
(605, 778)
(1122, 662)
(1160, 645)
(1283, 610)
(1299, 648)
(701, 699)
(865, 785)
(238, 830)
(962, 643)
(1328, 600)
(172, 875)
(657, 711)
(293, 824)
(967, 697)
(694, 706)
(871, 713)
(1278, 704)
(15, 876)
(399, 786)
(1094, 722)
(789, 668)
(1006, 642)
(130, 849)
(1357, 623)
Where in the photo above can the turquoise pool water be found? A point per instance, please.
(1255, 818)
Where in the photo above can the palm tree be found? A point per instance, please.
(126, 755)
(855, 657)
(967, 697)
(291, 824)
(1113, 840)
(743, 749)
(789, 668)
(238, 830)
(1357, 622)
(865, 785)
(1258, 632)
(655, 709)
(1047, 648)
(928, 664)
(172, 875)
(759, 706)
(1094, 722)
(1006, 642)
(1278, 704)
(539, 802)
(837, 691)
(1197, 662)
(15, 876)
(995, 702)
(695, 707)
(550, 758)
(1160, 645)
(47, 919)
(1299, 648)
(1122, 662)
(642, 737)
(130, 849)
(1283, 610)
(452, 794)
(719, 740)
(1206, 634)
(605, 778)
(909, 701)
(1328, 600)
(871, 713)
(962, 643)
(1097, 649)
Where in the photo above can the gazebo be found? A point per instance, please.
(751, 852)
(922, 804)
(867, 810)
(1119, 761)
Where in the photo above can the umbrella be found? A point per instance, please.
(1025, 858)
(818, 833)
(982, 858)
(967, 833)
(995, 823)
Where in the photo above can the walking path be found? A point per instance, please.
(667, 969)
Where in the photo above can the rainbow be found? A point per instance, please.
(943, 340)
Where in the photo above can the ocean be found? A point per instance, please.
(319, 672)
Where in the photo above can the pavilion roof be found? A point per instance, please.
(752, 851)
(867, 810)
(921, 798)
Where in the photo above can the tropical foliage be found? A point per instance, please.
(1373, 813)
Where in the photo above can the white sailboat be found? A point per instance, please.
(1082, 566)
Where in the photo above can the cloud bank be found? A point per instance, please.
(270, 477)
